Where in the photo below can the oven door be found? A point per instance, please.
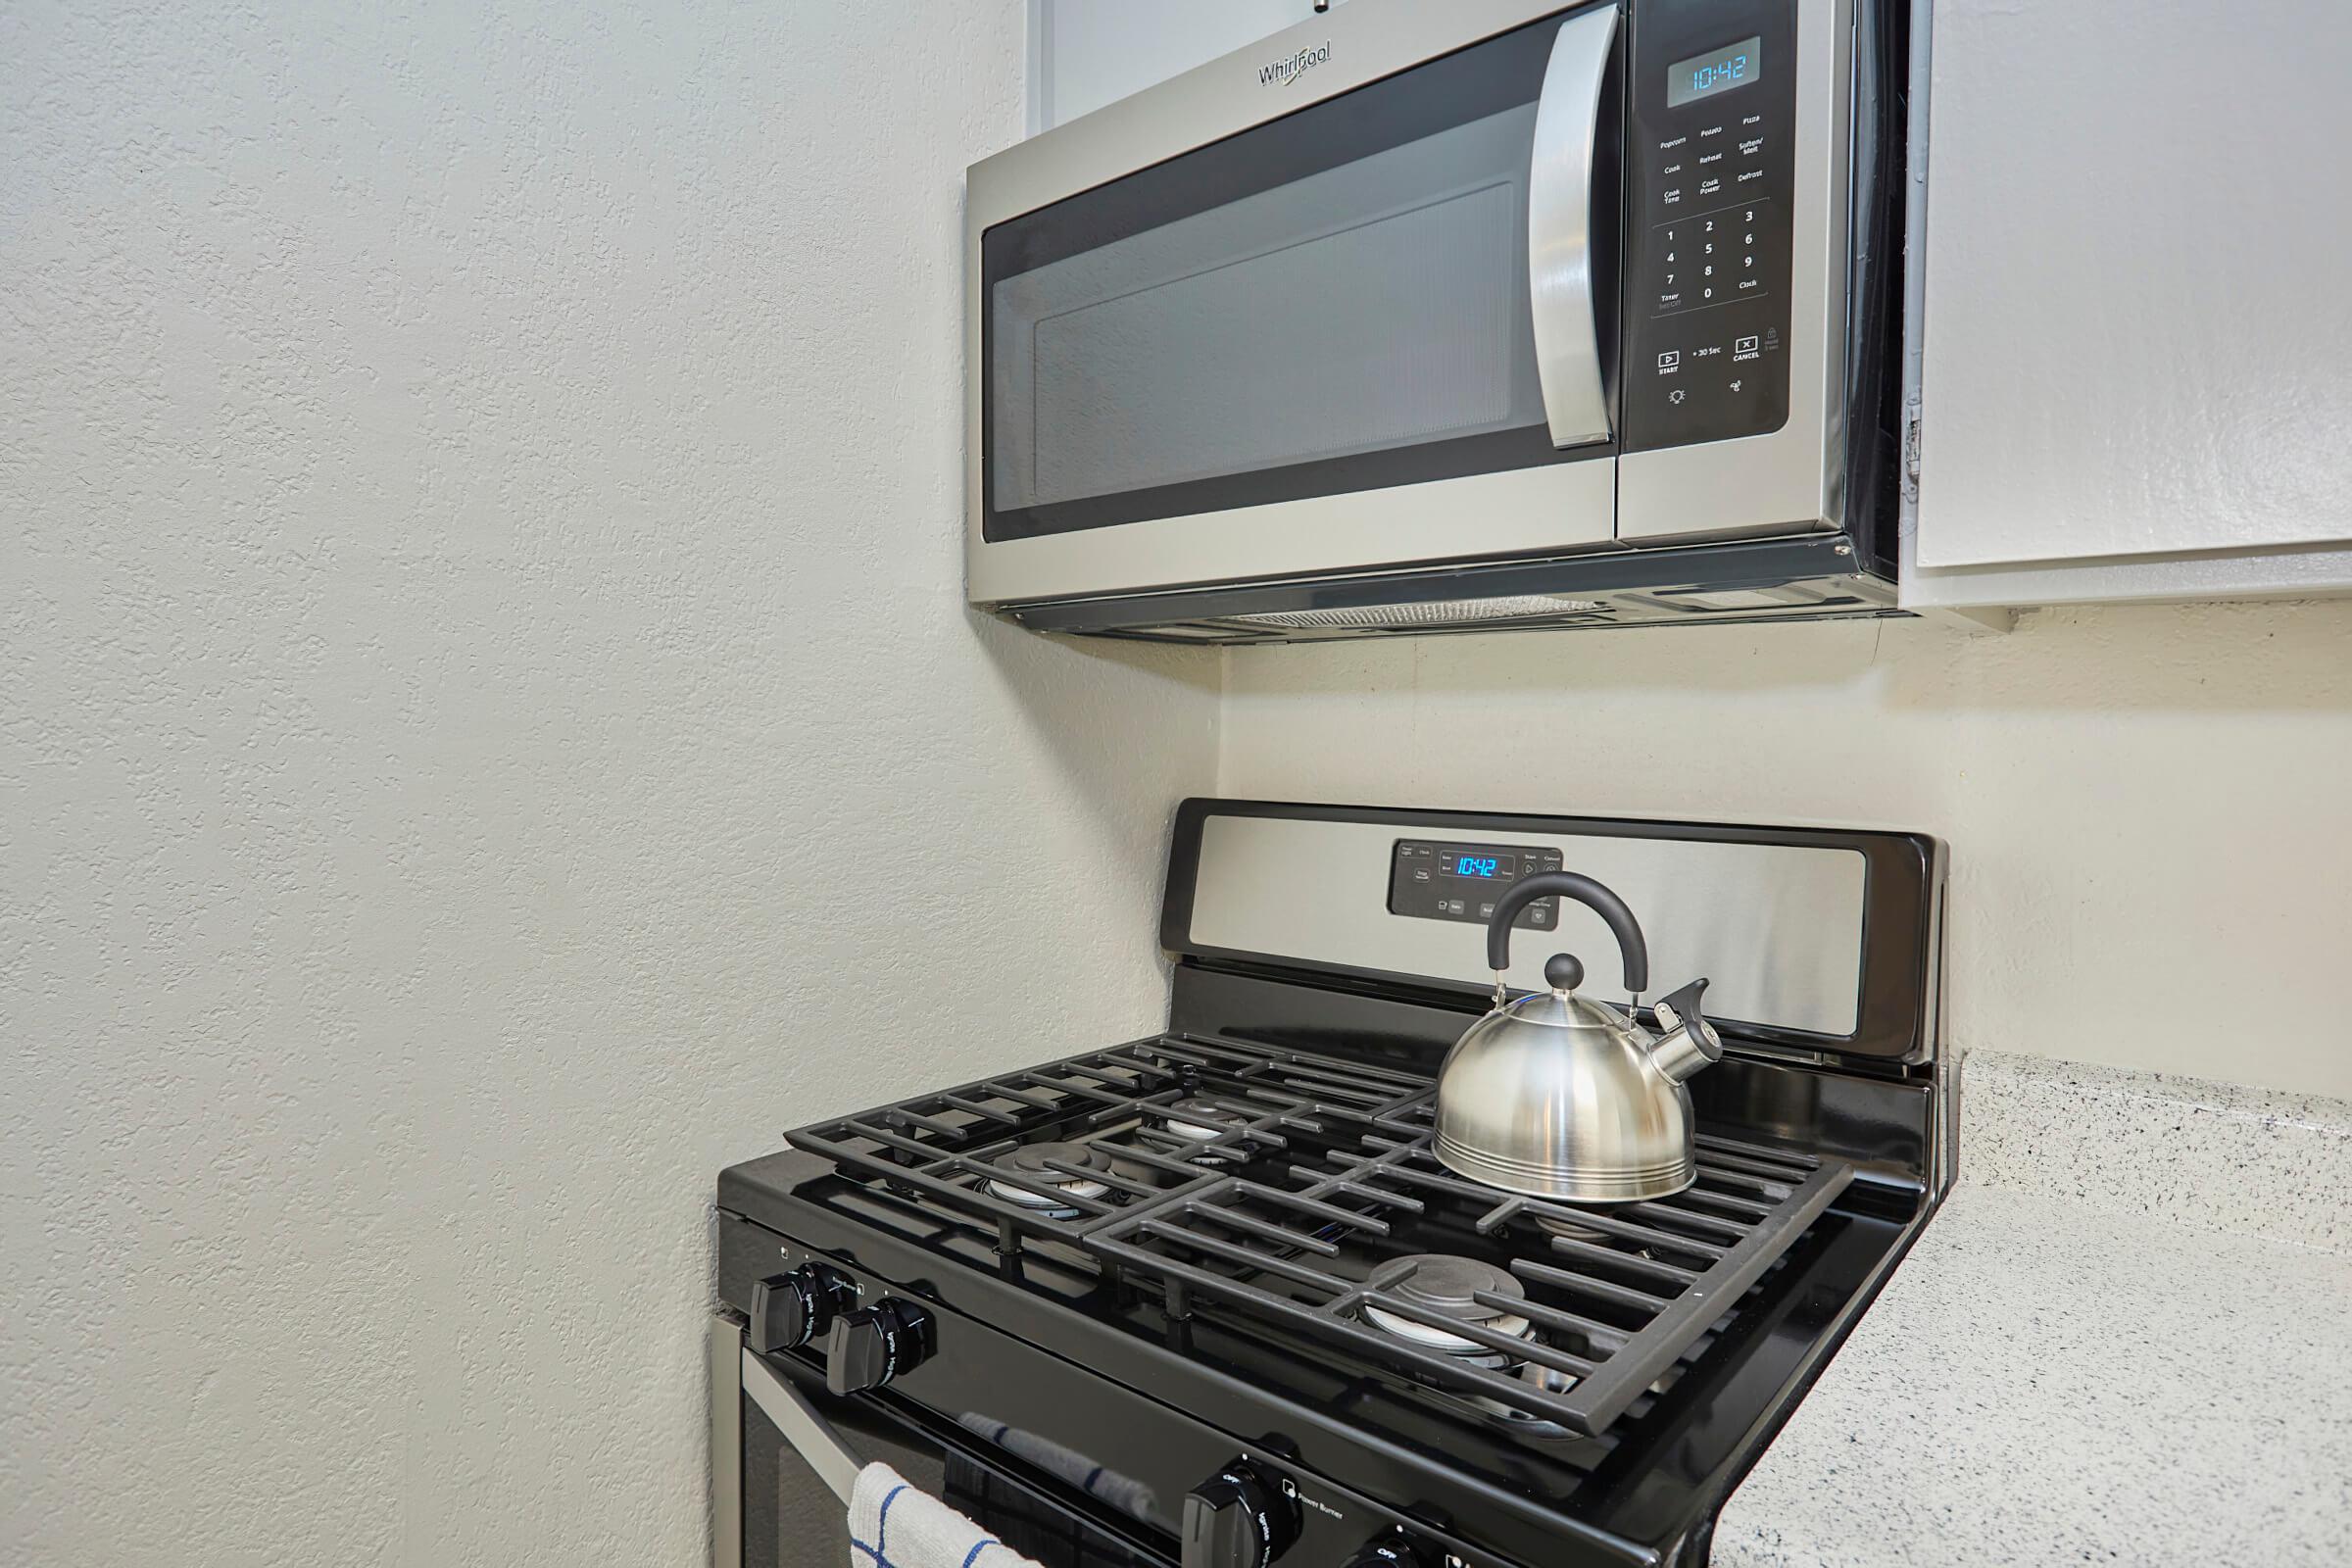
(1364, 319)
(792, 1452)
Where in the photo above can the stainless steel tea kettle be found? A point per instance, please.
(1560, 1097)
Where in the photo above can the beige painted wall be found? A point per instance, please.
(491, 734)
(2149, 808)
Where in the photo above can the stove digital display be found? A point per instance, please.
(1466, 881)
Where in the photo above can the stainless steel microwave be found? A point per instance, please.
(1490, 313)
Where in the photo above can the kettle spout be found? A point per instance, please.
(1689, 1044)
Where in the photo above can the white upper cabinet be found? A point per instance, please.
(1089, 52)
(2136, 350)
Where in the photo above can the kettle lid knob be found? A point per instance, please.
(1563, 971)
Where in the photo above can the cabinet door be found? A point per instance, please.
(2137, 332)
(1093, 51)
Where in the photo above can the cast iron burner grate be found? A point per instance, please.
(1171, 1115)
(1609, 1316)
(1289, 1187)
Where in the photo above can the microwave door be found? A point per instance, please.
(1361, 335)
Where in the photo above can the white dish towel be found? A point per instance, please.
(892, 1525)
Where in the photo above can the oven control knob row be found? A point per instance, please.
(1238, 1519)
(788, 1310)
(867, 1348)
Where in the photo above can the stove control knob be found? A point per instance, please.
(1388, 1551)
(1238, 1519)
(788, 1310)
(869, 1349)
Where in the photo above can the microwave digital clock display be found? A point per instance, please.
(1717, 70)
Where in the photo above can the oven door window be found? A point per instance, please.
(1332, 302)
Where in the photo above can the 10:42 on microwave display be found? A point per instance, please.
(1718, 70)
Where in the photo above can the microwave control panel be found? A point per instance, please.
(1437, 881)
(1710, 177)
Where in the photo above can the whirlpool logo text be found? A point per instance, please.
(1282, 72)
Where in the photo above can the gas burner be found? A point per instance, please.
(1549, 1378)
(1199, 1119)
(1567, 1229)
(1028, 1161)
(1443, 1284)
(1550, 1381)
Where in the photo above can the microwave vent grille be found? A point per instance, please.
(1433, 612)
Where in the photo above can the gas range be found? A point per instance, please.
(1209, 1297)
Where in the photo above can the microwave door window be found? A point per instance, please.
(1376, 304)
(1356, 325)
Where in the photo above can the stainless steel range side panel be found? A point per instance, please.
(1792, 479)
(1551, 508)
(725, 1345)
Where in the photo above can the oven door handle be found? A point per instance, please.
(808, 1432)
(1559, 230)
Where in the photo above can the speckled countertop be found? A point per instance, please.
(2126, 1338)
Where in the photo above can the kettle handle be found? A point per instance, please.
(1583, 890)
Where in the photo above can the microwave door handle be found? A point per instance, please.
(1559, 230)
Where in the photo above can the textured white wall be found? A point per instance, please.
(491, 734)
(2147, 808)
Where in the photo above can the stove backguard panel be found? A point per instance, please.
(1813, 938)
